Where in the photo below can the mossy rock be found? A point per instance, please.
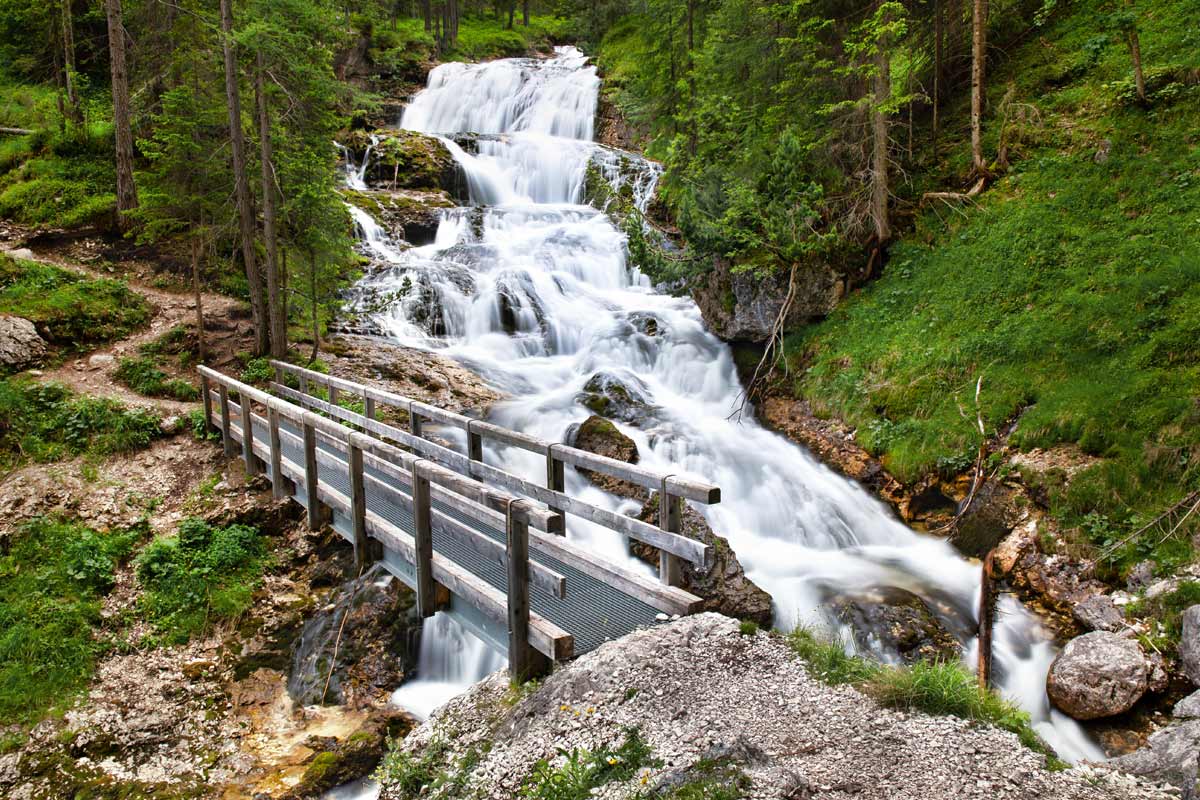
(406, 160)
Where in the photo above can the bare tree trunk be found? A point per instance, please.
(1135, 52)
(978, 57)
(237, 141)
(427, 13)
(68, 42)
(274, 295)
(512, 12)
(879, 136)
(127, 199)
(197, 249)
(525, 13)
(312, 288)
(937, 71)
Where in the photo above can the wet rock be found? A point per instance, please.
(897, 621)
(723, 585)
(354, 757)
(409, 215)
(357, 645)
(406, 160)
(1189, 644)
(518, 306)
(1098, 612)
(1188, 707)
(1171, 755)
(609, 396)
(598, 435)
(987, 520)
(20, 345)
(1097, 675)
(742, 306)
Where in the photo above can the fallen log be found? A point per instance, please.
(17, 131)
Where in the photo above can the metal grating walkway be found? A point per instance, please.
(592, 611)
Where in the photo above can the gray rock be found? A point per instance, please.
(742, 306)
(23, 253)
(986, 522)
(1188, 707)
(1140, 576)
(1098, 613)
(1171, 755)
(20, 344)
(1097, 675)
(1189, 644)
(889, 621)
(622, 398)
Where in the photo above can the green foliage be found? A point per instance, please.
(51, 581)
(748, 628)
(258, 371)
(828, 660)
(709, 779)
(407, 773)
(583, 771)
(46, 422)
(144, 377)
(67, 308)
(200, 576)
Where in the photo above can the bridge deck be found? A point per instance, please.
(592, 611)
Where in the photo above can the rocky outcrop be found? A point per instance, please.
(20, 345)
(407, 160)
(409, 215)
(1097, 675)
(613, 397)
(743, 306)
(989, 517)
(891, 620)
(351, 758)
(598, 435)
(1171, 755)
(1098, 612)
(1189, 644)
(738, 709)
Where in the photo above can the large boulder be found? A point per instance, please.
(989, 518)
(407, 160)
(406, 214)
(1189, 644)
(1098, 675)
(1098, 612)
(20, 345)
(600, 436)
(621, 398)
(743, 306)
(890, 621)
(1171, 755)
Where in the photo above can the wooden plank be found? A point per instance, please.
(556, 479)
(279, 486)
(474, 444)
(669, 519)
(225, 440)
(206, 393)
(524, 661)
(311, 478)
(358, 509)
(423, 538)
(368, 406)
(248, 457)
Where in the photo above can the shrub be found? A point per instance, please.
(202, 575)
(144, 377)
(582, 771)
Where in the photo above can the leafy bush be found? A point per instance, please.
(258, 371)
(51, 581)
(144, 377)
(47, 422)
(67, 308)
(202, 575)
(583, 771)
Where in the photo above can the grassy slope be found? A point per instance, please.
(1072, 288)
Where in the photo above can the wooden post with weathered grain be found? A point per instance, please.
(303, 380)
(248, 457)
(524, 662)
(358, 508)
(368, 406)
(555, 477)
(315, 515)
(669, 519)
(206, 391)
(414, 421)
(226, 439)
(423, 538)
(333, 394)
(279, 487)
(474, 443)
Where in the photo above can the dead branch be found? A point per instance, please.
(952, 197)
(773, 349)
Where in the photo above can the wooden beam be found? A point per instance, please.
(206, 392)
(423, 538)
(316, 515)
(669, 519)
(226, 441)
(524, 662)
(556, 479)
(248, 457)
(358, 509)
(279, 487)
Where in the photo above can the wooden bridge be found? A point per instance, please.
(472, 539)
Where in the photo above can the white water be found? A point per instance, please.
(536, 295)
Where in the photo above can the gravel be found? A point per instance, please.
(698, 687)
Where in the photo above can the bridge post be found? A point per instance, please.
(524, 662)
(226, 439)
(669, 519)
(248, 457)
(333, 394)
(358, 508)
(368, 406)
(423, 536)
(414, 421)
(206, 390)
(555, 478)
(303, 381)
(474, 443)
(316, 514)
(279, 488)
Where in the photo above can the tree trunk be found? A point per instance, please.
(274, 294)
(978, 57)
(525, 13)
(312, 287)
(879, 136)
(987, 615)
(1135, 52)
(937, 72)
(427, 13)
(237, 141)
(127, 199)
(197, 249)
(68, 42)
(512, 12)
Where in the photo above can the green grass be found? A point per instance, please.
(60, 178)
(141, 374)
(1071, 288)
(67, 308)
(46, 422)
(51, 581)
(199, 577)
(583, 771)
(939, 689)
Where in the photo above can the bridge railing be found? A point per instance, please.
(671, 489)
(533, 640)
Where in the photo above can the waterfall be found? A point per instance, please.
(533, 291)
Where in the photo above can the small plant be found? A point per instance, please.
(585, 770)
(748, 627)
(827, 659)
(144, 377)
(258, 371)
(409, 773)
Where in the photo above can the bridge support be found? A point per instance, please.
(670, 519)
(524, 662)
(318, 514)
(555, 478)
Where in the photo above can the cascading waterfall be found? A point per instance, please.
(533, 292)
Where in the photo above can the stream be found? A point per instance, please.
(531, 289)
